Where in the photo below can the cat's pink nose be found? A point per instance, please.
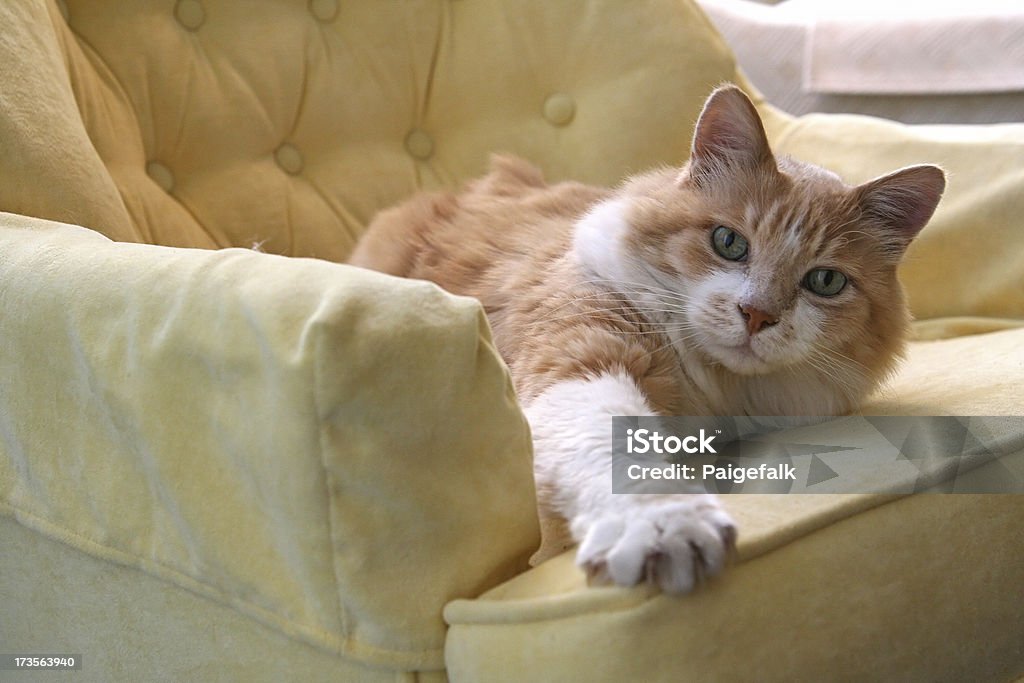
(756, 319)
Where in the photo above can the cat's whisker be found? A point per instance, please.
(559, 312)
(656, 293)
(655, 275)
(599, 296)
(637, 287)
(865, 233)
(628, 283)
(828, 353)
(821, 364)
(674, 301)
(642, 332)
(599, 315)
(627, 315)
(692, 334)
(590, 297)
(669, 344)
(841, 383)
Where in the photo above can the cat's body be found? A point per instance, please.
(683, 292)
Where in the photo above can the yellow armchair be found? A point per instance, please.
(220, 463)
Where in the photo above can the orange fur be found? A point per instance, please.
(507, 240)
(586, 283)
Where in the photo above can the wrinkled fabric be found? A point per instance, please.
(304, 441)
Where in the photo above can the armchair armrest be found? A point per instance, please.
(332, 451)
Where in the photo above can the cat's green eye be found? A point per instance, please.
(824, 281)
(729, 244)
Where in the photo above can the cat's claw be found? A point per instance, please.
(674, 544)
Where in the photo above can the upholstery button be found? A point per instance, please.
(289, 158)
(161, 175)
(559, 109)
(419, 144)
(324, 10)
(190, 14)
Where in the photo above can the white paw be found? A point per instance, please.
(674, 543)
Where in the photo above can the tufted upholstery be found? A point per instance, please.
(289, 123)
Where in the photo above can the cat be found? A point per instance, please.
(741, 283)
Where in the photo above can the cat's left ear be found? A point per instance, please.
(903, 202)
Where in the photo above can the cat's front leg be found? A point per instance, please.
(674, 541)
(671, 540)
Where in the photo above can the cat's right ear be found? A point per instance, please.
(729, 136)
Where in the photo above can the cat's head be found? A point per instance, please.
(765, 264)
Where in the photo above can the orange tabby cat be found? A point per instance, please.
(740, 284)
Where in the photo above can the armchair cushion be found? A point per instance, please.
(916, 588)
(826, 587)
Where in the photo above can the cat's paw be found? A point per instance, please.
(674, 543)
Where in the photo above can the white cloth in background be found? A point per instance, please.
(868, 57)
(875, 46)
